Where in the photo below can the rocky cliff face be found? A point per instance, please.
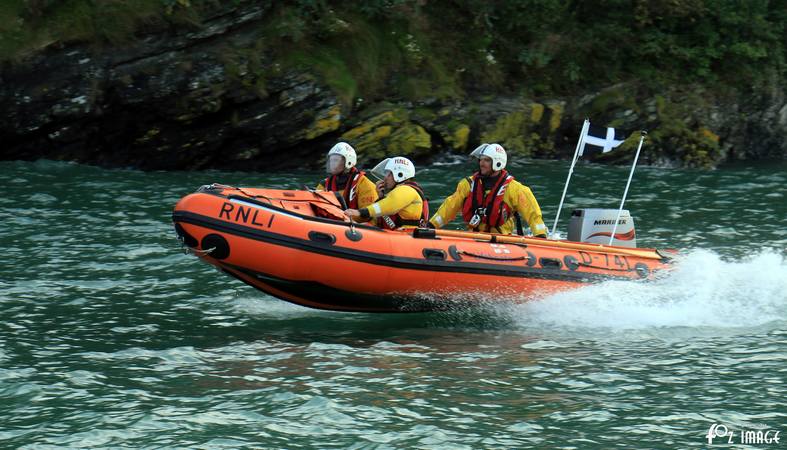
(209, 98)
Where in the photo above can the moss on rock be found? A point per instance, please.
(410, 140)
(326, 121)
(522, 132)
(677, 138)
(536, 112)
(389, 133)
(458, 139)
(508, 131)
(556, 116)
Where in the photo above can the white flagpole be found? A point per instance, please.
(582, 134)
(631, 175)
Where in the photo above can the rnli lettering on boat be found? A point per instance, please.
(243, 214)
(609, 222)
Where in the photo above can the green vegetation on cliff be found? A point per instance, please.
(540, 46)
(414, 75)
(27, 26)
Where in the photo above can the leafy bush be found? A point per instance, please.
(540, 46)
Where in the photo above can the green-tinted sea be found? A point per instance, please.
(111, 337)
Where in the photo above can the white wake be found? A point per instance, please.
(702, 291)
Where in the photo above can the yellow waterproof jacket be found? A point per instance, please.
(403, 200)
(518, 197)
(365, 190)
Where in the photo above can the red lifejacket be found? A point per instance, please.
(493, 211)
(350, 188)
(395, 221)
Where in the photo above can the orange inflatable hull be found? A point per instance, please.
(297, 246)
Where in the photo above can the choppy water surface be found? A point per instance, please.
(110, 337)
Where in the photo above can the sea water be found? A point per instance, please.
(111, 337)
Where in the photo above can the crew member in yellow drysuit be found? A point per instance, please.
(489, 198)
(357, 190)
(403, 203)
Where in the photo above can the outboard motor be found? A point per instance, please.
(595, 225)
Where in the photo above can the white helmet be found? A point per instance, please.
(344, 150)
(494, 151)
(401, 168)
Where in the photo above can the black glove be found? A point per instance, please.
(429, 225)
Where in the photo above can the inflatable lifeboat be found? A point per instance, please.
(299, 246)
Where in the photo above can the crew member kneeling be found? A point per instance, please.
(402, 204)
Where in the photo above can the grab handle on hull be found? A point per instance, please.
(322, 238)
(434, 254)
(550, 263)
(424, 233)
